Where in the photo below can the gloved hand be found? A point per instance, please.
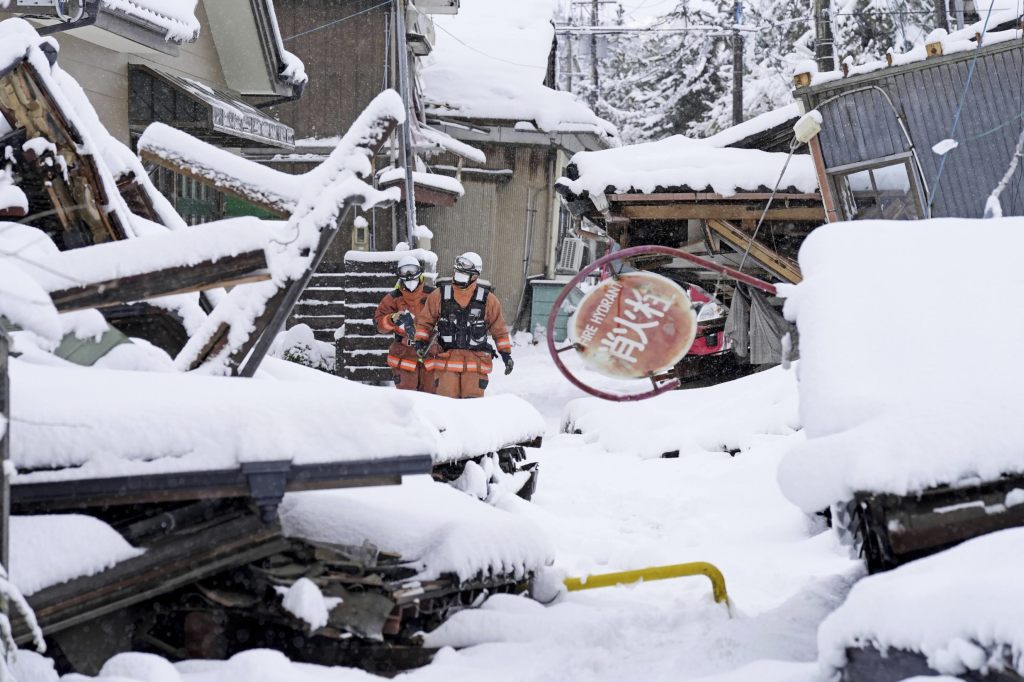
(507, 359)
(421, 349)
(395, 317)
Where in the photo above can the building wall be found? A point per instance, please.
(862, 126)
(493, 218)
(103, 72)
(346, 62)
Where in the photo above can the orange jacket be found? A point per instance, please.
(401, 355)
(426, 320)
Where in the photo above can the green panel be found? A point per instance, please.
(235, 207)
(544, 295)
(87, 351)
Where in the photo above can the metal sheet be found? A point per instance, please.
(862, 126)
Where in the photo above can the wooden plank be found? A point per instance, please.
(721, 212)
(5, 455)
(79, 200)
(189, 170)
(226, 272)
(171, 564)
(663, 197)
(779, 265)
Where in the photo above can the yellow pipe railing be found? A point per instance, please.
(654, 573)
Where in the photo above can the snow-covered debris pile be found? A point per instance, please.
(305, 601)
(158, 422)
(177, 18)
(693, 420)
(899, 391)
(435, 528)
(959, 609)
(490, 62)
(51, 549)
(679, 162)
(298, 344)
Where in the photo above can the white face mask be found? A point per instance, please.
(411, 284)
(461, 277)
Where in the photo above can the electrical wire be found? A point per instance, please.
(337, 21)
(489, 56)
(792, 150)
(956, 115)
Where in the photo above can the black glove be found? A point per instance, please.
(507, 359)
(421, 349)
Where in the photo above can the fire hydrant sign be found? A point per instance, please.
(634, 325)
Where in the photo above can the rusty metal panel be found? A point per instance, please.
(861, 125)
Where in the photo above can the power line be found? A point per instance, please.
(490, 56)
(956, 115)
(337, 21)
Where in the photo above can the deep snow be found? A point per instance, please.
(606, 509)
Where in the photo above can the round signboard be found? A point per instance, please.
(634, 325)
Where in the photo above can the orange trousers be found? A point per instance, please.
(461, 373)
(420, 380)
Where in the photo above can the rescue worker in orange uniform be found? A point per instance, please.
(461, 315)
(396, 314)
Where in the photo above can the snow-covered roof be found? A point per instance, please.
(175, 18)
(682, 162)
(963, 40)
(490, 62)
(960, 609)
(436, 528)
(758, 124)
(444, 183)
(899, 390)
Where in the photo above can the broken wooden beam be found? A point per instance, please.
(742, 240)
(63, 166)
(245, 268)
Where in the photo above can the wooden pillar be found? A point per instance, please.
(5, 453)
(829, 202)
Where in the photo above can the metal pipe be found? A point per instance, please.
(693, 568)
(406, 147)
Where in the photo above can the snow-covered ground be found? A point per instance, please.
(607, 508)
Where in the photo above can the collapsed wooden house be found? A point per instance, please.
(183, 457)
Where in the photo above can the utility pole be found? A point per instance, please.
(569, 38)
(737, 65)
(824, 43)
(958, 13)
(941, 15)
(406, 150)
(595, 10)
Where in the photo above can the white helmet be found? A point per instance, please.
(409, 271)
(470, 262)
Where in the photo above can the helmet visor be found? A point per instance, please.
(410, 271)
(466, 265)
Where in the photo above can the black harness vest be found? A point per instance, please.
(463, 328)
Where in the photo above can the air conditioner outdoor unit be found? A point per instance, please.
(438, 6)
(419, 32)
(571, 259)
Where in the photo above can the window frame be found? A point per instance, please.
(837, 176)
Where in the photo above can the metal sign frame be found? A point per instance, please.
(624, 254)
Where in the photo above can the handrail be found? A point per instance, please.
(655, 573)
